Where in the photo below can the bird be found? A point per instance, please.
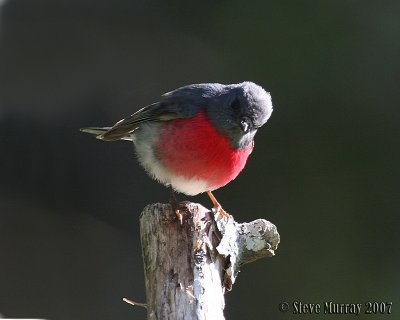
(196, 138)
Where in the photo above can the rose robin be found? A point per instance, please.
(197, 138)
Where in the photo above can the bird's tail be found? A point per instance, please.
(99, 131)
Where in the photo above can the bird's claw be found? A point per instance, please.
(221, 212)
(217, 209)
(179, 215)
(180, 209)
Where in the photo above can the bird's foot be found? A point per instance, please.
(179, 207)
(217, 209)
(181, 210)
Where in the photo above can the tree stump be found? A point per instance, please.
(189, 265)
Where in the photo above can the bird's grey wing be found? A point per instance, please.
(165, 110)
(181, 103)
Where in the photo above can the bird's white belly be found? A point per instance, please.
(145, 140)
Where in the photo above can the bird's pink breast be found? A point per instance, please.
(193, 148)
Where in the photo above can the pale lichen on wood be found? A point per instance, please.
(189, 266)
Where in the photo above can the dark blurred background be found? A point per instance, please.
(325, 169)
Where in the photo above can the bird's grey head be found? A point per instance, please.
(239, 110)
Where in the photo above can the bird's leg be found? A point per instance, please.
(172, 195)
(178, 207)
(217, 207)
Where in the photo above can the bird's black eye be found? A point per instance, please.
(235, 104)
(245, 125)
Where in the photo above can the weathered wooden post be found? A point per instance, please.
(189, 266)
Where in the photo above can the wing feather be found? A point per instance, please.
(157, 112)
(181, 103)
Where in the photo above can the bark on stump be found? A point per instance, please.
(189, 266)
